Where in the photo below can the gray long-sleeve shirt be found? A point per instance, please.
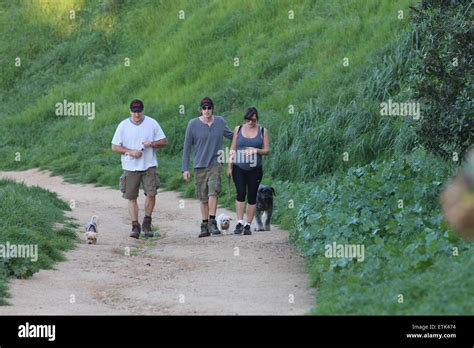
(205, 141)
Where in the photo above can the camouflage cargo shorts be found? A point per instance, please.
(208, 181)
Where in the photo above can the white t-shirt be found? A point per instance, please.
(132, 136)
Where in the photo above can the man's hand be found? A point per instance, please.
(186, 176)
(229, 171)
(135, 153)
(147, 143)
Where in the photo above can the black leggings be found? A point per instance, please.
(247, 180)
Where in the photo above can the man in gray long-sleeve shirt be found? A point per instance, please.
(205, 135)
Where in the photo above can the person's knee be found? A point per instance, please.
(241, 193)
(212, 196)
(214, 187)
(132, 200)
(240, 197)
(252, 196)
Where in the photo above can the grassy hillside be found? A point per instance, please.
(284, 64)
(175, 62)
(27, 217)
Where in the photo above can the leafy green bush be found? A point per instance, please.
(442, 75)
(391, 208)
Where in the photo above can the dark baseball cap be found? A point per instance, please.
(136, 105)
(207, 102)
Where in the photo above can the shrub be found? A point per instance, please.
(442, 75)
(392, 209)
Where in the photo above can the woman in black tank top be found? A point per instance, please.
(250, 143)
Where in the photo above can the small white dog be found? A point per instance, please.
(92, 231)
(223, 223)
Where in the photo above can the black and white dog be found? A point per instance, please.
(264, 205)
(91, 231)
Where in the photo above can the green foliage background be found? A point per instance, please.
(283, 62)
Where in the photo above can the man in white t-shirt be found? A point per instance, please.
(136, 139)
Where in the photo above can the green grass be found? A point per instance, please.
(27, 217)
(282, 62)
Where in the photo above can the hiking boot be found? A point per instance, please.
(204, 230)
(239, 228)
(135, 230)
(247, 230)
(212, 227)
(146, 226)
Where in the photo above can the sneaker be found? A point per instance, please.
(146, 226)
(247, 230)
(239, 228)
(204, 230)
(212, 227)
(135, 231)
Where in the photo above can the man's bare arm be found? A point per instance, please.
(120, 149)
(159, 143)
(156, 144)
(127, 152)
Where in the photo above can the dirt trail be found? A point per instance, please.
(176, 274)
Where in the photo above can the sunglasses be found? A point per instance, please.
(205, 107)
(252, 120)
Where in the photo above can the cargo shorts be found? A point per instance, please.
(130, 182)
(208, 181)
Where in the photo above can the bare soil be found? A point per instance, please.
(176, 274)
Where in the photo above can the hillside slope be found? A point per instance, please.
(317, 71)
(175, 62)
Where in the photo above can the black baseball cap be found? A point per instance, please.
(207, 102)
(136, 105)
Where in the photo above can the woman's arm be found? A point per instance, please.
(266, 144)
(233, 149)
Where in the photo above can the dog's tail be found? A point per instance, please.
(92, 225)
(94, 220)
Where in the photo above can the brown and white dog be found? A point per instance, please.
(91, 231)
